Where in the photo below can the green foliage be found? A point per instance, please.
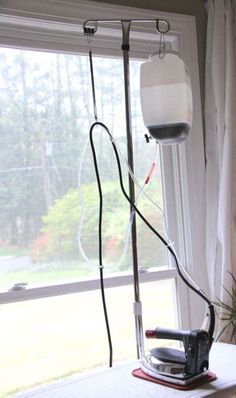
(61, 224)
(229, 311)
(60, 230)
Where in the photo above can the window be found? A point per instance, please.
(47, 113)
(56, 337)
(42, 93)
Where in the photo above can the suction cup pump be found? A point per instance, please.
(166, 98)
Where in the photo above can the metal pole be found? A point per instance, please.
(137, 303)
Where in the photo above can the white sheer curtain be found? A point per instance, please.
(220, 123)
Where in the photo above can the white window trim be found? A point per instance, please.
(122, 279)
(57, 26)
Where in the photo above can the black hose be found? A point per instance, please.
(199, 292)
(100, 244)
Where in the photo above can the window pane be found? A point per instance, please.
(46, 339)
(46, 112)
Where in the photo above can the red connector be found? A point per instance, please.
(150, 172)
(150, 334)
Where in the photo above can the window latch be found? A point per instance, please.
(18, 286)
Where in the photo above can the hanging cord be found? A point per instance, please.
(142, 192)
(170, 249)
(100, 241)
(90, 32)
(162, 28)
(162, 50)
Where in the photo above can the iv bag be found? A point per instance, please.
(166, 98)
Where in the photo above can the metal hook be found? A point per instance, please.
(90, 31)
(162, 27)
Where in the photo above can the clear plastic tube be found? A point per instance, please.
(141, 192)
(128, 230)
(81, 199)
(134, 178)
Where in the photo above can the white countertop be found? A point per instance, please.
(118, 382)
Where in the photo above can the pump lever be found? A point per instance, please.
(171, 334)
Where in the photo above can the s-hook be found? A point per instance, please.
(162, 27)
(90, 31)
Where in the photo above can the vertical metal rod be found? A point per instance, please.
(137, 305)
(93, 85)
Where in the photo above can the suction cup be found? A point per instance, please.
(168, 366)
(190, 384)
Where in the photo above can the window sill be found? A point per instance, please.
(120, 279)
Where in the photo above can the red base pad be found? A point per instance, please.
(196, 383)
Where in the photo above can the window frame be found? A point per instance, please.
(57, 26)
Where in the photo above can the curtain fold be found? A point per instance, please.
(220, 127)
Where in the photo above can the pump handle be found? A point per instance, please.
(171, 334)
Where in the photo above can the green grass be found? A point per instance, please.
(47, 339)
(12, 251)
(41, 274)
(46, 273)
(41, 277)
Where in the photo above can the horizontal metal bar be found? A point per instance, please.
(84, 285)
(119, 20)
(158, 22)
